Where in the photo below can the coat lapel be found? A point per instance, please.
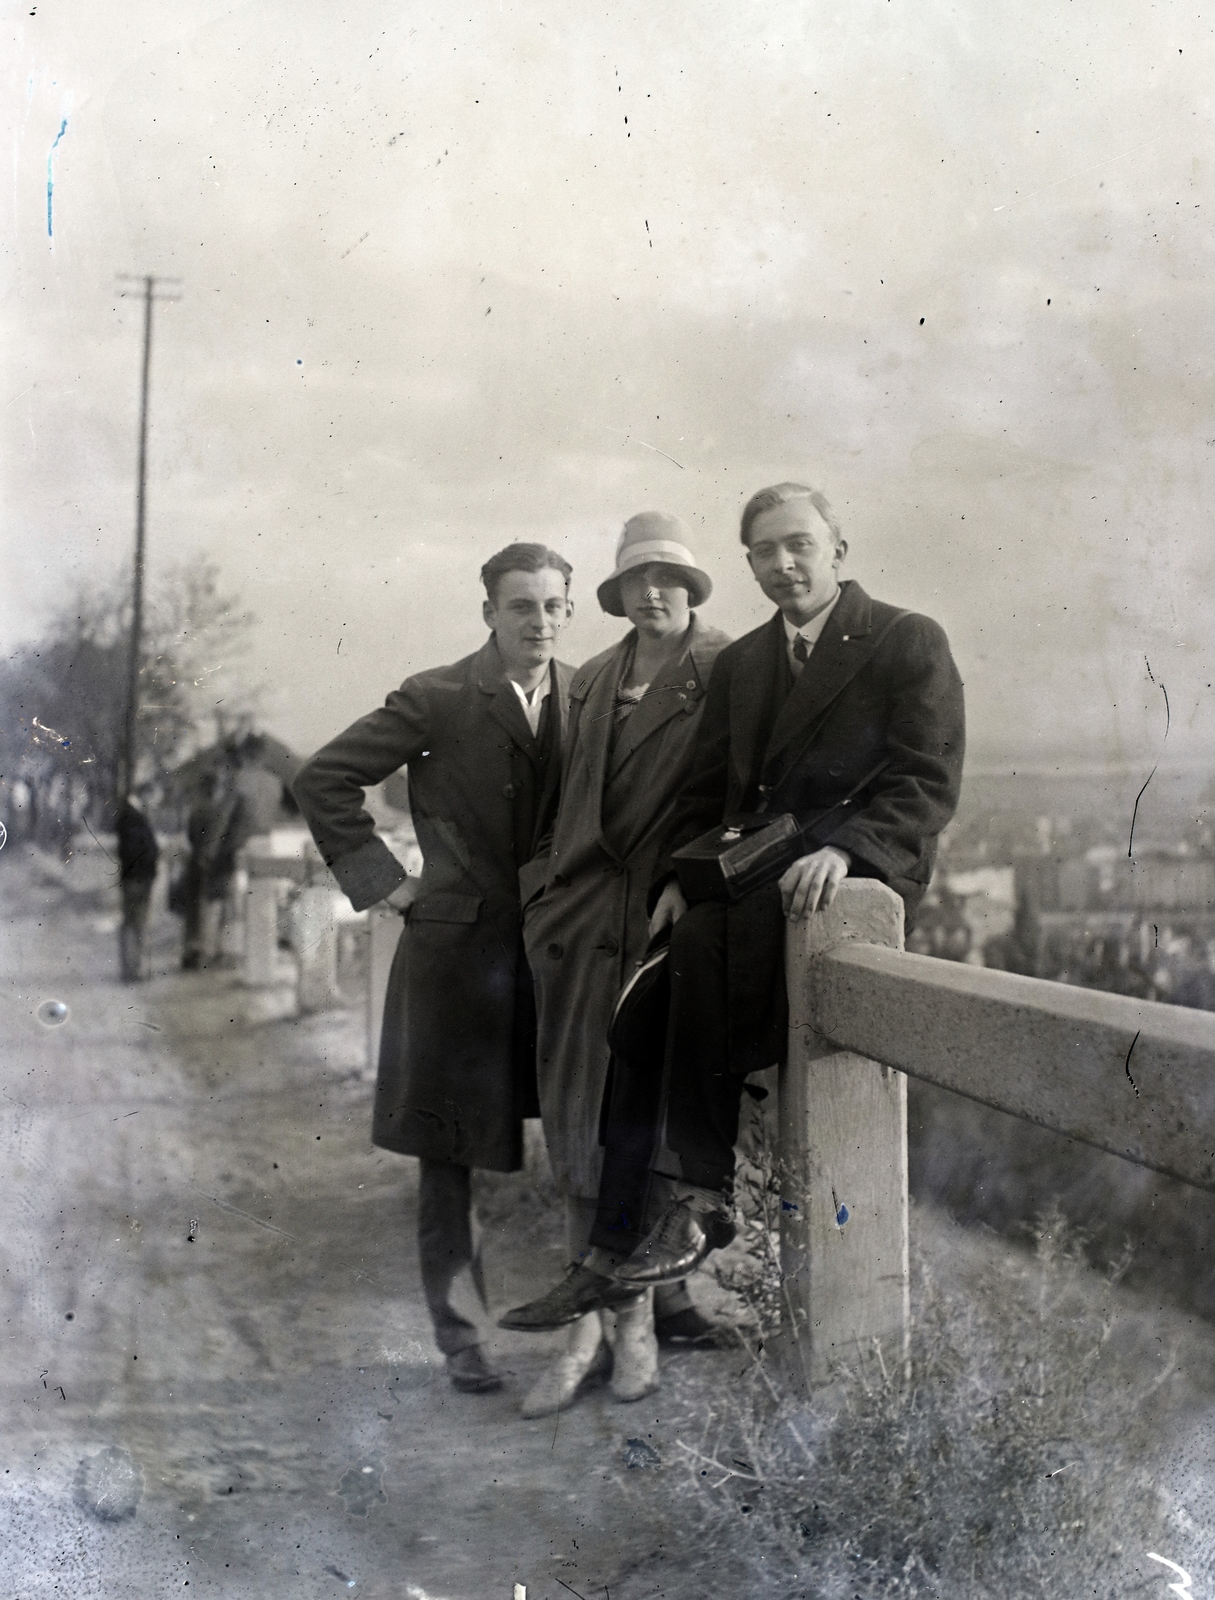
(558, 710)
(844, 646)
(504, 705)
(754, 694)
(598, 697)
(680, 683)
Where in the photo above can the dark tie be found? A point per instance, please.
(801, 654)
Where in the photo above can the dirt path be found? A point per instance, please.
(209, 1268)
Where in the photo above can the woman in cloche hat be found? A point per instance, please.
(634, 711)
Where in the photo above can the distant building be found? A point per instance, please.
(1104, 881)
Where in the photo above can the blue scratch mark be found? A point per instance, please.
(50, 179)
(788, 1205)
(841, 1216)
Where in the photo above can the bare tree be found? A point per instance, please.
(63, 698)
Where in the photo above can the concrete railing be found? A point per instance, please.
(1129, 1076)
(314, 935)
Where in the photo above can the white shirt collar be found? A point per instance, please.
(810, 631)
(533, 704)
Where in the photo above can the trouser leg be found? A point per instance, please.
(135, 897)
(212, 930)
(191, 950)
(703, 1095)
(445, 1245)
(580, 1214)
(634, 1115)
(697, 1096)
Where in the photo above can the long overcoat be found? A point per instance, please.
(879, 685)
(456, 1069)
(586, 930)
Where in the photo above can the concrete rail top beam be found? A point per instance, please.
(1130, 1076)
(309, 871)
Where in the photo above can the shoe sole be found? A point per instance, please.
(647, 1275)
(631, 1399)
(476, 1385)
(515, 1324)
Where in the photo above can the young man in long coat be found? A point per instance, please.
(634, 710)
(482, 743)
(836, 695)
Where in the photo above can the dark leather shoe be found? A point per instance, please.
(471, 1373)
(580, 1291)
(689, 1329)
(677, 1244)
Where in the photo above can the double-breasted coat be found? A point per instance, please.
(457, 1063)
(879, 685)
(585, 914)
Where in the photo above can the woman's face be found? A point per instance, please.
(656, 600)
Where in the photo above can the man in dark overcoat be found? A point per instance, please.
(482, 742)
(798, 714)
(138, 855)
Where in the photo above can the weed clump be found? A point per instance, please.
(1011, 1456)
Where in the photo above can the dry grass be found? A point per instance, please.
(1017, 1457)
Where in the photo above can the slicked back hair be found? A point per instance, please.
(522, 558)
(780, 494)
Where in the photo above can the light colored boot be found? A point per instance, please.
(635, 1349)
(585, 1357)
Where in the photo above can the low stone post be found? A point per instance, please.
(384, 930)
(843, 1165)
(314, 935)
(261, 931)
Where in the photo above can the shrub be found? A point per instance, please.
(1013, 1459)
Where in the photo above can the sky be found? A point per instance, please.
(455, 277)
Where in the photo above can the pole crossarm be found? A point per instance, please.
(1133, 1077)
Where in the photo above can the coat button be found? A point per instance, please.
(690, 708)
(611, 946)
(691, 683)
(508, 790)
(836, 768)
(556, 951)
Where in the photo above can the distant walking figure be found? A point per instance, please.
(138, 854)
(216, 830)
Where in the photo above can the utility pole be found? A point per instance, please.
(126, 770)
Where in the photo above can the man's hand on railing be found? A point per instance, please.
(810, 883)
(671, 906)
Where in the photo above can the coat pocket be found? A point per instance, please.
(444, 907)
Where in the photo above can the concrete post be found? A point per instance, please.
(384, 929)
(314, 935)
(843, 1166)
(261, 932)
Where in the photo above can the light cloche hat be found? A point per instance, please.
(648, 537)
